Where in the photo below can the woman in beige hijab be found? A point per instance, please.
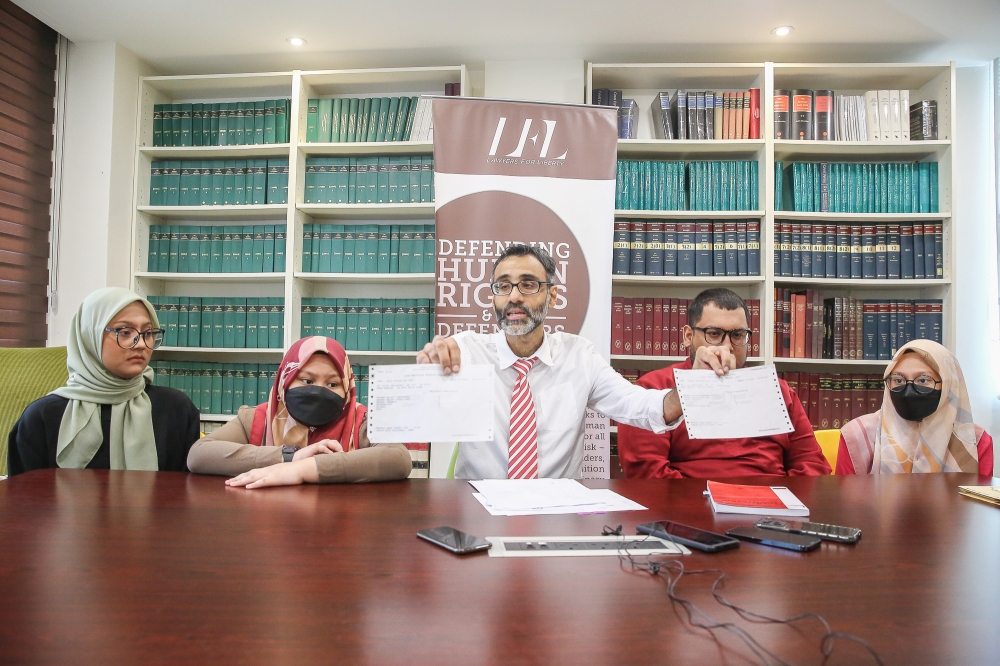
(925, 424)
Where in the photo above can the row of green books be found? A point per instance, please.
(217, 388)
(218, 182)
(836, 187)
(216, 249)
(701, 185)
(221, 323)
(368, 248)
(222, 123)
(385, 179)
(370, 324)
(366, 119)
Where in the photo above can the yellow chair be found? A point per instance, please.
(829, 442)
(25, 376)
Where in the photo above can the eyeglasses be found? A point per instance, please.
(127, 337)
(922, 384)
(526, 287)
(740, 337)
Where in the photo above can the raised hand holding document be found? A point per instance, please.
(742, 403)
(418, 403)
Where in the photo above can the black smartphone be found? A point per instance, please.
(454, 540)
(797, 542)
(709, 542)
(824, 531)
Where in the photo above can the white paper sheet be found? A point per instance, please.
(419, 403)
(531, 497)
(742, 403)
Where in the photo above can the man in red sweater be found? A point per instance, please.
(717, 335)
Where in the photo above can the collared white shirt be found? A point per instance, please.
(568, 377)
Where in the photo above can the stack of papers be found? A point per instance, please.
(532, 497)
(742, 403)
(755, 500)
(988, 494)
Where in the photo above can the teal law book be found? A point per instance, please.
(204, 249)
(337, 248)
(321, 180)
(218, 322)
(229, 183)
(265, 380)
(153, 250)
(253, 315)
(205, 336)
(263, 322)
(411, 324)
(345, 113)
(186, 120)
(307, 326)
(252, 375)
(394, 248)
(246, 249)
(361, 249)
(383, 113)
(364, 109)
(393, 180)
(158, 124)
(229, 323)
(409, 118)
(350, 243)
(185, 377)
(371, 190)
(223, 132)
(205, 382)
(276, 323)
(281, 108)
(183, 247)
(205, 192)
(364, 323)
(413, 192)
(337, 178)
(384, 247)
(327, 322)
(423, 323)
(167, 314)
(382, 180)
(402, 180)
(257, 264)
(237, 124)
(371, 248)
(258, 123)
(227, 389)
(400, 127)
(390, 118)
(211, 121)
(430, 251)
(309, 194)
(388, 323)
(156, 176)
(240, 338)
(173, 249)
(399, 324)
(325, 246)
(341, 320)
(375, 324)
(259, 182)
(373, 118)
(417, 251)
(269, 120)
(352, 181)
(273, 181)
(218, 182)
(323, 122)
(240, 188)
(216, 388)
(197, 137)
(335, 120)
(269, 248)
(406, 248)
(427, 179)
(183, 314)
(229, 239)
(307, 240)
(239, 386)
(185, 183)
(352, 324)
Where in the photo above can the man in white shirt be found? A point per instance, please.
(545, 381)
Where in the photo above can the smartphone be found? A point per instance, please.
(451, 539)
(797, 542)
(824, 531)
(709, 542)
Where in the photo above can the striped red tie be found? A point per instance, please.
(522, 454)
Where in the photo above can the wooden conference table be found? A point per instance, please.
(104, 567)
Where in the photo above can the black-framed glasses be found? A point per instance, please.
(127, 337)
(526, 287)
(922, 384)
(740, 337)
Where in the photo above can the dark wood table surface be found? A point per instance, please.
(104, 567)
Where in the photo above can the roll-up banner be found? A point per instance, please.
(524, 172)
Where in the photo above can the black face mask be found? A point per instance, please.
(914, 406)
(313, 405)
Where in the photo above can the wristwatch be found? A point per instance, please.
(287, 452)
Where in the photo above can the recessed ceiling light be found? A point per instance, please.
(782, 30)
(296, 41)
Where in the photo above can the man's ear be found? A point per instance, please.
(687, 334)
(553, 293)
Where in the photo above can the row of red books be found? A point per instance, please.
(653, 326)
(832, 400)
(799, 328)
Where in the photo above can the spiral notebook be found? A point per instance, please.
(742, 403)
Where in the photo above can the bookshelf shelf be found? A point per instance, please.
(871, 218)
(221, 418)
(369, 278)
(638, 358)
(212, 277)
(384, 357)
(215, 152)
(652, 280)
(689, 214)
(194, 213)
(839, 150)
(864, 284)
(368, 211)
(686, 149)
(368, 148)
(206, 351)
(830, 362)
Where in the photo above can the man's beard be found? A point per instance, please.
(534, 318)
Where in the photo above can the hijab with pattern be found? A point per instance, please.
(945, 441)
(274, 426)
(91, 385)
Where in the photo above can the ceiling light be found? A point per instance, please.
(782, 30)
(296, 41)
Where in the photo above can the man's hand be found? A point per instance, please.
(444, 351)
(320, 447)
(283, 474)
(719, 359)
(672, 407)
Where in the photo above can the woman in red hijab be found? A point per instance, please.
(312, 429)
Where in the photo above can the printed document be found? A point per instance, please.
(419, 403)
(531, 497)
(743, 403)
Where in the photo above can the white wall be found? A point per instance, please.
(976, 315)
(536, 80)
(98, 156)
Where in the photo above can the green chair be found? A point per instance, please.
(25, 376)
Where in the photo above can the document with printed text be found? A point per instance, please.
(742, 403)
(419, 403)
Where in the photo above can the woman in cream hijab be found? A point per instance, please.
(925, 424)
(109, 415)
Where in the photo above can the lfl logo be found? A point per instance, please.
(550, 128)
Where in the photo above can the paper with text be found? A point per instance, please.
(742, 403)
(419, 403)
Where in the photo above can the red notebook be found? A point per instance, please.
(757, 500)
